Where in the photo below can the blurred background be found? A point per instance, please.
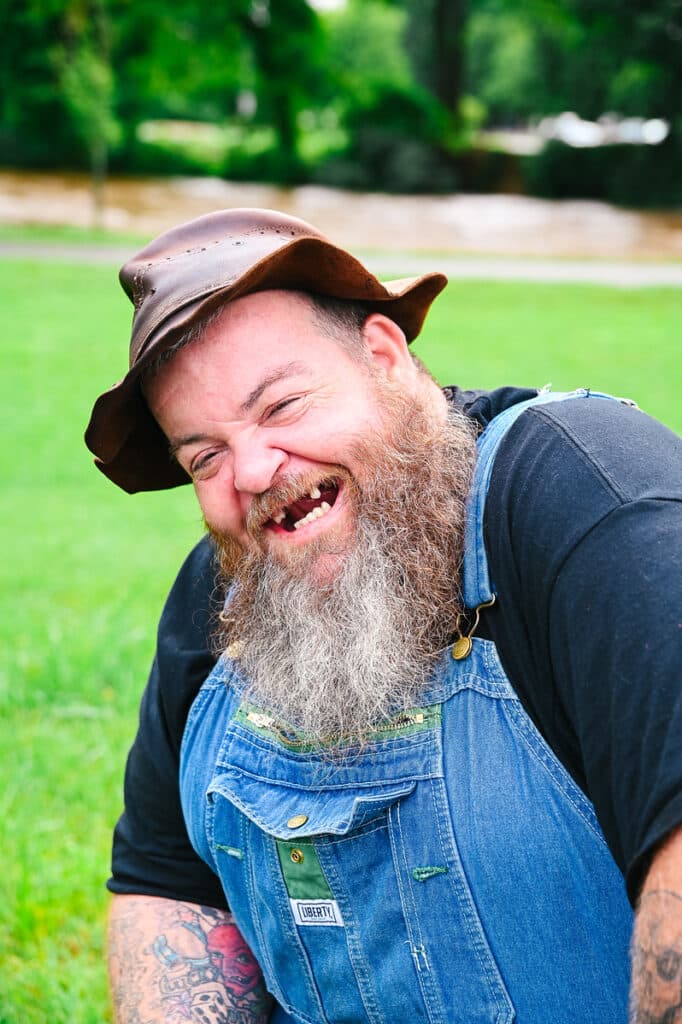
(558, 99)
(532, 149)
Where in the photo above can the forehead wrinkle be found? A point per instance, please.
(281, 373)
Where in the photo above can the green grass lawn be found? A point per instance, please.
(85, 570)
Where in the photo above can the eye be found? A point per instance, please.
(287, 404)
(203, 465)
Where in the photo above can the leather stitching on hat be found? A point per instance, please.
(203, 290)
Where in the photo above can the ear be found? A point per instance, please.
(388, 348)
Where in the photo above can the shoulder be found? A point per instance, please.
(584, 543)
(564, 466)
(628, 450)
(580, 487)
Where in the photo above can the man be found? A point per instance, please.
(440, 746)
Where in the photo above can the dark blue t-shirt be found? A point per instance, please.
(584, 540)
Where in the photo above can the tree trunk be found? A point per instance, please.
(435, 42)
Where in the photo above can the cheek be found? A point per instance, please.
(220, 506)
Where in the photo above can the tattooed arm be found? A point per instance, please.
(657, 940)
(172, 961)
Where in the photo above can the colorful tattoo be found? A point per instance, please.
(180, 964)
(196, 988)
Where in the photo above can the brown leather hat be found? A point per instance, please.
(189, 271)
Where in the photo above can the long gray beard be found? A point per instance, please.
(334, 660)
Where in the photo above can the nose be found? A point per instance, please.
(255, 464)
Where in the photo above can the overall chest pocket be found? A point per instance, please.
(310, 877)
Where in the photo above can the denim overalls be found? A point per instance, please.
(451, 871)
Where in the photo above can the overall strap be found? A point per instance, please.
(477, 585)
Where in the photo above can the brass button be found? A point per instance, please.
(297, 856)
(461, 648)
(297, 821)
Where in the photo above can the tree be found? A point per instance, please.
(84, 67)
(591, 56)
(34, 128)
(435, 38)
(286, 40)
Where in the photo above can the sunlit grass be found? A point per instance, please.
(70, 233)
(85, 570)
(482, 334)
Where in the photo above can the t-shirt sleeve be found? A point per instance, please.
(585, 537)
(152, 854)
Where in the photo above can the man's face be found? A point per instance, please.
(263, 413)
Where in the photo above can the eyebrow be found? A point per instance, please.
(175, 446)
(281, 373)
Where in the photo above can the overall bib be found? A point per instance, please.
(449, 871)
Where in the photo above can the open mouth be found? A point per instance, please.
(307, 508)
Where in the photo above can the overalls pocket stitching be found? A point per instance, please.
(367, 829)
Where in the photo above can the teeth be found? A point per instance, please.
(314, 514)
(279, 517)
(315, 493)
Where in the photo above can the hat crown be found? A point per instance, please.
(194, 259)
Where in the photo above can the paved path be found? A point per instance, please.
(621, 275)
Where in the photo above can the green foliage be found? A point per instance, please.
(374, 95)
(172, 64)
(395, 132)
(94, 65)
(399, 136)
(396, 144)
(33, 126)
(287, 47)
(87, 84)
(591, 56)
(503, 64)
(631, 175)
(365, 53)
